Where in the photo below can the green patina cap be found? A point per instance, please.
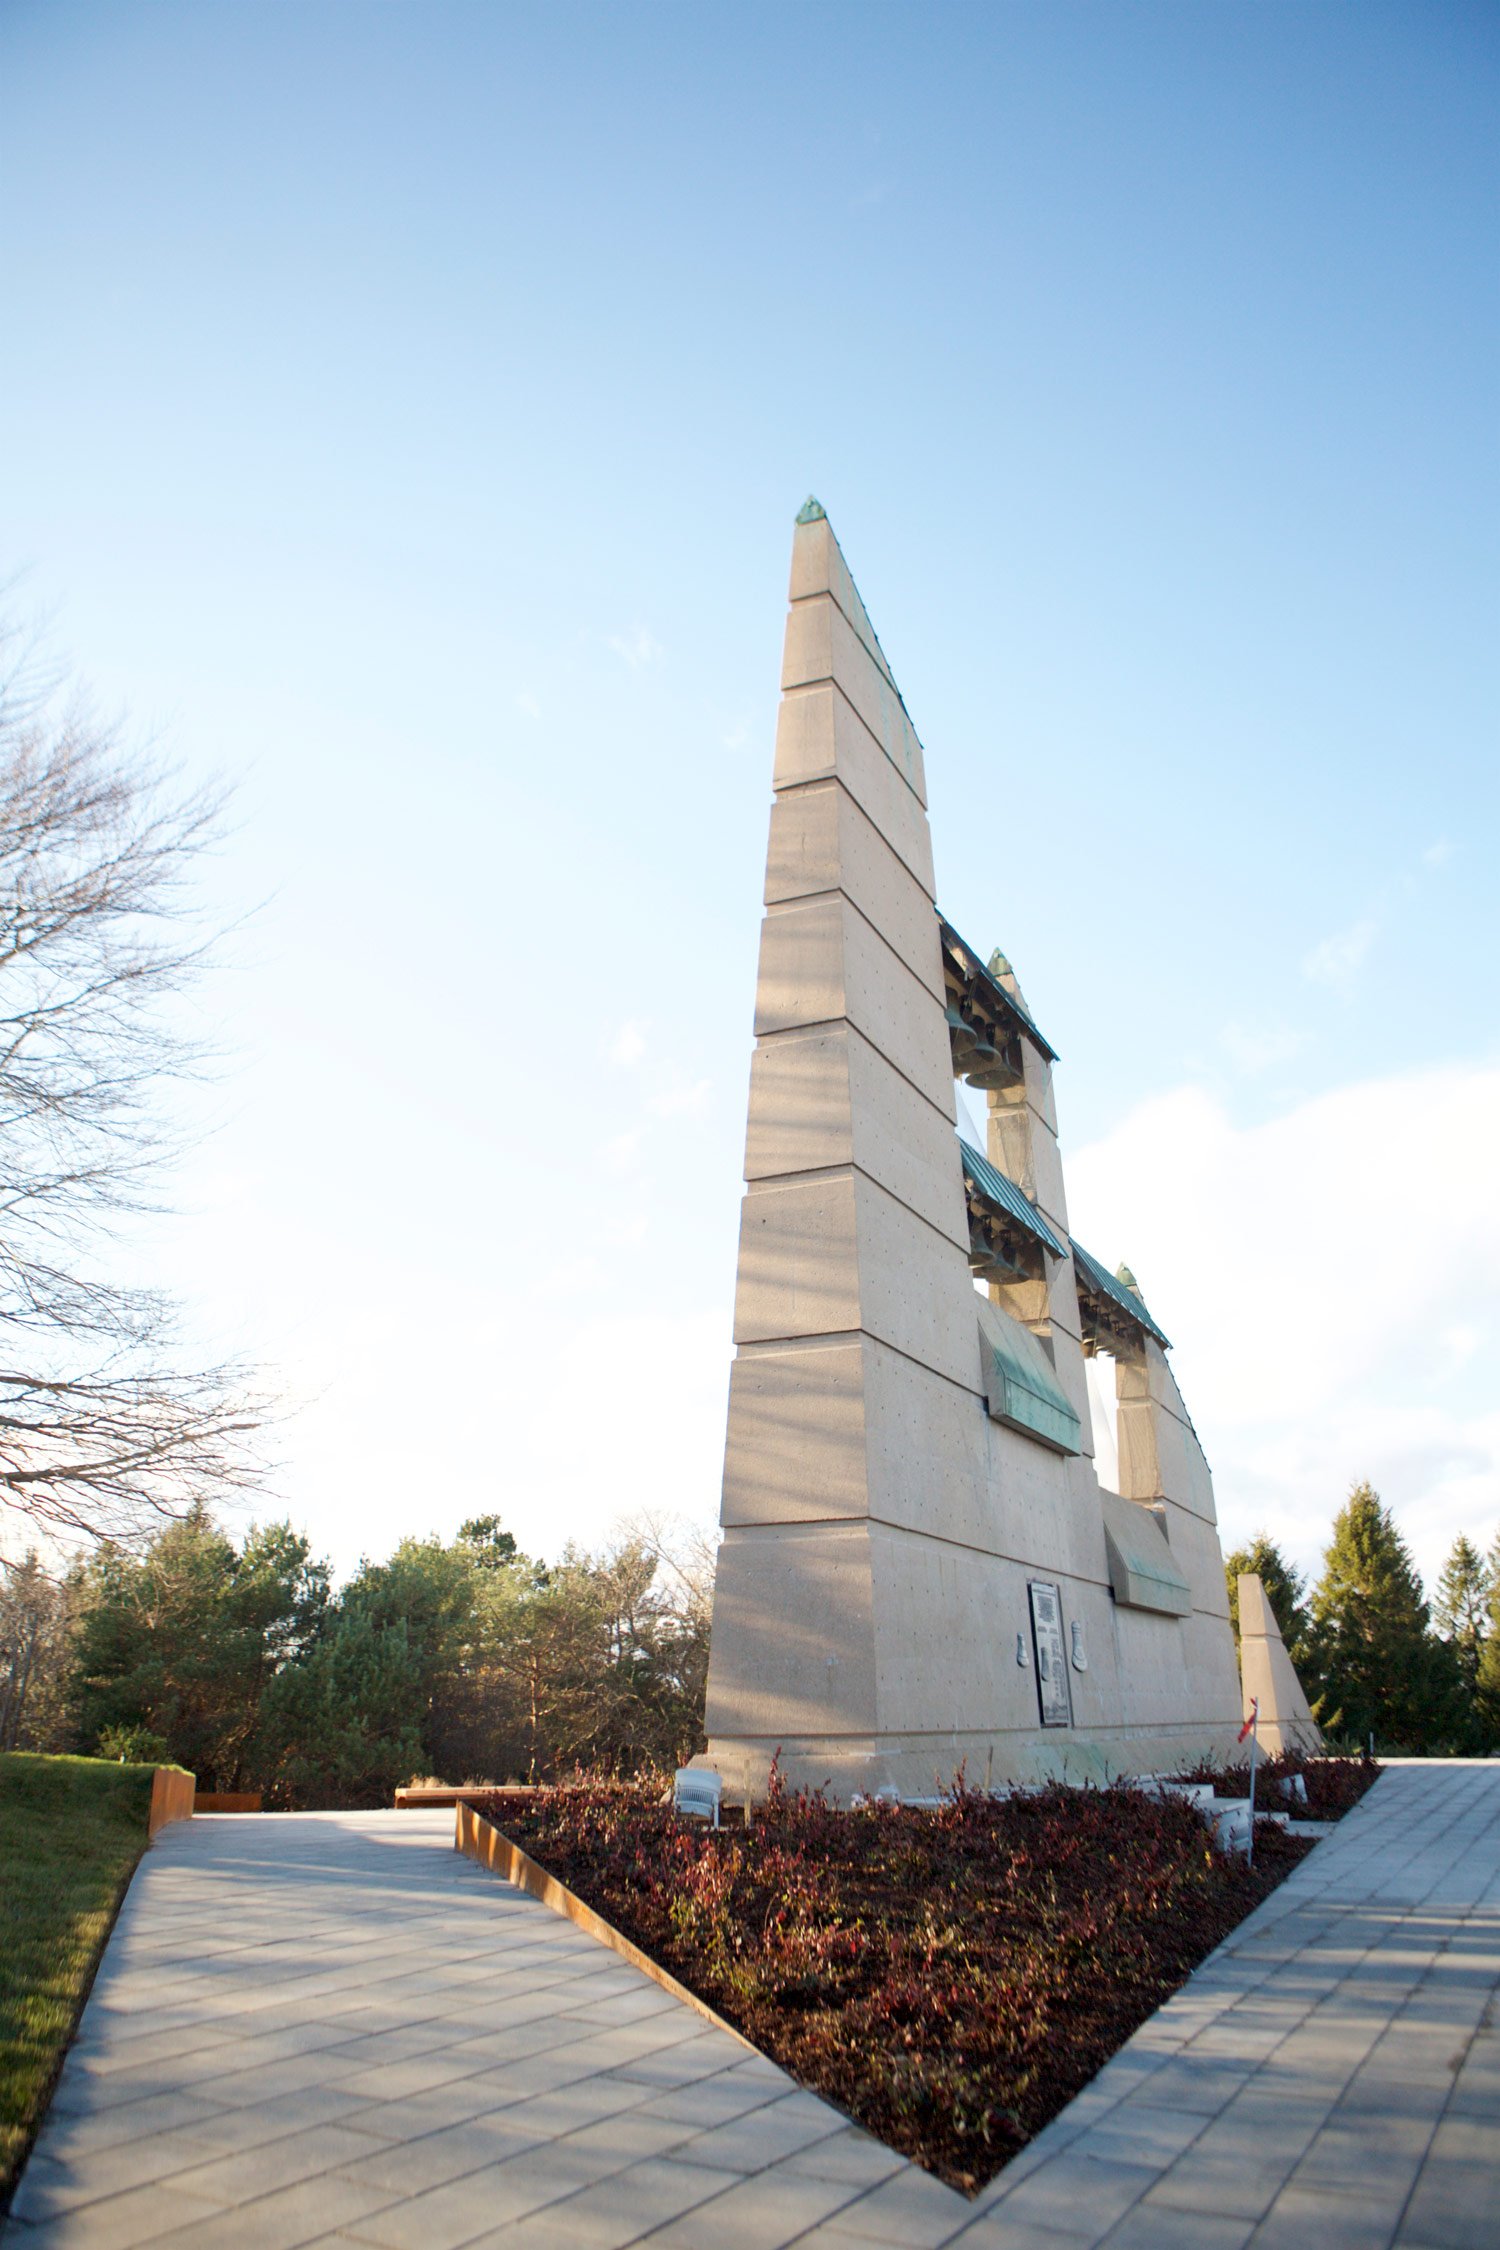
(999, 966)
(1127, 1279)
(812, 511)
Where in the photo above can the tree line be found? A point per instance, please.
(462, 1659)
(1377, 1660)
(467, 1660)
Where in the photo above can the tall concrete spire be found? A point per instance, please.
(899, 1476)
(1286, 1722)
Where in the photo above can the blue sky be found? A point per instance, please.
(409, 412)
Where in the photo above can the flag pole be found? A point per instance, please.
(1252, 1730)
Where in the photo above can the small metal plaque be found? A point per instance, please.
(1051, 1654)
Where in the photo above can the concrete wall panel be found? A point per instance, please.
(799, 1261)
(822, 961)
(818, 567)
(826, 1098)
(819, 735)
(797, 1448)
(1200, 1558)
(822, 841)
(821, 645)
(915, 1290)
(804, 1592)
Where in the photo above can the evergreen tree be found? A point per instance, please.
(1372, 1664)
(430, 1591)
(183, 1640)
(1286, 1588)
(1489, 1652)
(339, 1728)
(493, 1546)
(1461, 1610)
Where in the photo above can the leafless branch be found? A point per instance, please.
(101, 1430)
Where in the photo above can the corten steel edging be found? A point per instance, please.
(485, 1844)
(172, 1792)
(416, 1799)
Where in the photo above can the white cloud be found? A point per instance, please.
(1252, 1048)
(625, 1229)
(528, 706)
(1462, 1341)
(1328, 1279)
(638, 648)
(685, 1098)
(628, 1044)
(622, 1153)
(1437, 853)
(1338, 959)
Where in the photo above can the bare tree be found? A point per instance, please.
(35, 1656)
(103, 1427)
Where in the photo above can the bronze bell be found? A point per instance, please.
(961, 1034)
(993, 1067)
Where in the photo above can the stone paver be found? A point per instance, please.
(1330, 2078)
(331, 2028)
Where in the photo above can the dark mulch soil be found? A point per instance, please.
(951, 1978)
(1334, 1786)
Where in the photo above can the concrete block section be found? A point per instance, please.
(821, 645)
(853, 1428)
(818, 567)
(835, 1253)
(820, 735)
(805, 1594)
(947, 1621)
(822, 962)
(821, 1100)
(822, 841)
(1149, 1377)
(796, 1450)
(799, 1261)
(1021, 1146)
(1160, 1457)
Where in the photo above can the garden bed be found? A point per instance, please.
(1334, 1786)
(950, 1977)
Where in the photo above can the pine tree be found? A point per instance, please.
(1489, 1652)
(181, 1641)
(1461, 1609)
(1286, 1588)
(1372, 1664)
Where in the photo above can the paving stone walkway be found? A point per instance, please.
(331, 2028)
(1328, 2080)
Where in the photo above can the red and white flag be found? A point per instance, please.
(1249, 1723)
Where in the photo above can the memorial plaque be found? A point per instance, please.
(1051, 1658)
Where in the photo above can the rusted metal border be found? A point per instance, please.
(172, 1792)
(480, 1840)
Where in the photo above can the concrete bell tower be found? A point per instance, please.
(918, 1565)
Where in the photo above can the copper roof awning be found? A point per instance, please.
(1112, 1305)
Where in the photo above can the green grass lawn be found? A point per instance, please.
(71, 1831)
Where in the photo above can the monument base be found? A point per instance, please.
(923, 1766)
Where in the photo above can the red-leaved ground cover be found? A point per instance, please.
(950, 1977)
